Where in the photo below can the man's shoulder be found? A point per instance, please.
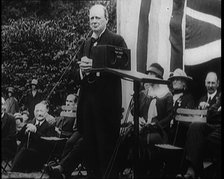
(113, 38)
(113, 34)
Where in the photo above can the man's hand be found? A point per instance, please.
(203, 105)
(142, 123)
(31, 128)
(85, 64)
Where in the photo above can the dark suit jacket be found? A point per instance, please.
(36, 143)
(8, 135)
(65, 125)
(213, 101)
(104, 94)
(32, 158)
(99, 107)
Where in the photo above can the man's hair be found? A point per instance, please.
(104, 9)
(212, 72)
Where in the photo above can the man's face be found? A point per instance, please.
(211, 83)
(70, 100)
(178, 83)
(40, 111)
(97, 19)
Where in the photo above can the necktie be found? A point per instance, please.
(209, 99)
(38, 124)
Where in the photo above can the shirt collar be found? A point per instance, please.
(41, 122)
(212, 95)
(94, 35)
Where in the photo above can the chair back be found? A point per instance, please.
(68, 111)
(191, 115)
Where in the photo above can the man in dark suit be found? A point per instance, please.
(33, 151)
(204, 138)
(211, 84)
(99, 105)
(8, 133)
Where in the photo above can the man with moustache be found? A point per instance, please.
(33, 152)
(99, 106)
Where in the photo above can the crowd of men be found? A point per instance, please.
(88, 128)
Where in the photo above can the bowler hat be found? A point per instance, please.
(157, 69)
(178, 73)
(34, 82)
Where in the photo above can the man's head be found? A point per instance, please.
(33, 84)
(10, 91)
(40, 111)
(70, 100)
(98, 17)
(211, 82)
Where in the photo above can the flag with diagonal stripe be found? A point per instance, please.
(173, 33)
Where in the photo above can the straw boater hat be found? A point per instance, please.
(178, 73)
(18, 116)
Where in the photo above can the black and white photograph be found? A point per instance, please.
(111, 89)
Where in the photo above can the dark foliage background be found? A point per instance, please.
(39, 39)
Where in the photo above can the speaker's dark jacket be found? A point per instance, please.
(99, 105)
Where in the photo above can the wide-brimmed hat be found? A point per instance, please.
(18, 116)
(34, 82)
(157, 69)
(178, 73)
(11, 89)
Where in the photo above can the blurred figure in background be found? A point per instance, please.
(8, 133)
(12, 105)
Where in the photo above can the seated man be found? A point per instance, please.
(203, 138)
(64, 124)
(33, 151)
(8, 133)
(211, 84)
(72, 154)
